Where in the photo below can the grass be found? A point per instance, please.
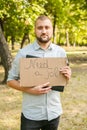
(74, 102)
(10, 108)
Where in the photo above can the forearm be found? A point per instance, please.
(16, 85)
(37, 90)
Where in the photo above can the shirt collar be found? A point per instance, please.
(37, 46)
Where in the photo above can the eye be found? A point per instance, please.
(39, 27)
(47, 27)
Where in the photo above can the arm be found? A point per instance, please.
(37, 90)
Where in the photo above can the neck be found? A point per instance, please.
(44, 45)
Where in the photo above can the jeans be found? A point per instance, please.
(27, 124)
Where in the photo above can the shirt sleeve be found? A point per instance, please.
(14, 72)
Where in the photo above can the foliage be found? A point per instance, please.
(68, 16)
(18, 16)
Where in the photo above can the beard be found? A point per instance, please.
(41, 39)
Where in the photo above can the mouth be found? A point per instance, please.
(44, 36)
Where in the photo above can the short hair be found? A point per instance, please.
(42, 17)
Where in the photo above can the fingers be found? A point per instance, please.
(46, 84)
(66, 71)
(45, 88)
(40, 89)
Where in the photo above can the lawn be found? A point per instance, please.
(74, 100)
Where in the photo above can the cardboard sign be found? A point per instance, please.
(36, 71)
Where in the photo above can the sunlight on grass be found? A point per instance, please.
(74, 101)
(10, 108)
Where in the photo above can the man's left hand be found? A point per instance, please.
(66, 71)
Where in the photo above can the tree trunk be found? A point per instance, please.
(25, 37)
(54, 27)
(67, 38)
(5, 55)
(59, 39)
(12, 42)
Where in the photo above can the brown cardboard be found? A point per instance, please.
(36, 71)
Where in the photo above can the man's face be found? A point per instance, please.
(43, 30)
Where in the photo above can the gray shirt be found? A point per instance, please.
(38, 107)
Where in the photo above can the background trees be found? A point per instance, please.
(69, 19)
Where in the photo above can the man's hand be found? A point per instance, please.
(66, 71)
(37, 90)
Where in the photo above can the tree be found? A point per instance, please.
(69, 16)
(5, 55)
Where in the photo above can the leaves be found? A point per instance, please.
(18, 17)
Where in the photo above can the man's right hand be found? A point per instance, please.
(37, 90)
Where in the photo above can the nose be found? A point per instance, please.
(43, 30)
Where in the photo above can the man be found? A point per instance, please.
(41, 107)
